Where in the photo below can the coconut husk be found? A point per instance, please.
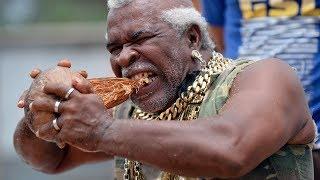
(113, 91)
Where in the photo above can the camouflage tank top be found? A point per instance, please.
(291, 162)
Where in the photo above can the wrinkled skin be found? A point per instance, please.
(223, 146)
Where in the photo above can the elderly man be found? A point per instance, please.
(206, 116)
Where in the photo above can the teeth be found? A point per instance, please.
(144, 77)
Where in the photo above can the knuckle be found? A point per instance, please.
(39, 103)
(47, 88)
(36, 104)
(71, 107)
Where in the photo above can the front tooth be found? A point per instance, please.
(145, 75)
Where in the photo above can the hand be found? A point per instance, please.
(35, 72)
(83, 118)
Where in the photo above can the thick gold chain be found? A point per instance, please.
(194, 95)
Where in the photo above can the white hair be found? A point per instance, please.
(113, 4)
(182, 19)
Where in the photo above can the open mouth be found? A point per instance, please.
(145, 78)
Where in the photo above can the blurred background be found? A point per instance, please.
(37, 33)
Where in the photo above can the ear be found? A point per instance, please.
(194, 36)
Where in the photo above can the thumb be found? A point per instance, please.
(82, 85)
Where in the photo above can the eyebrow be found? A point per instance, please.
(133, 36)
(137, 34)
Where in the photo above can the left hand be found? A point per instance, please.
(83, 118)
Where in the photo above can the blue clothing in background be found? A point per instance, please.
(226, 14)
(285, 29)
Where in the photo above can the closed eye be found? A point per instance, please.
(115, 50)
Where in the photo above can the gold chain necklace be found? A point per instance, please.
(186, 107)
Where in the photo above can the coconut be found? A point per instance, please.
(113, 92)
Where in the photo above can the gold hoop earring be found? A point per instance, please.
(197, 56)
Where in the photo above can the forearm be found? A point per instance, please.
(41, 155)
(48, 157)
(183, 148)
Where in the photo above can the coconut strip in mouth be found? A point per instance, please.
(115, 91)
(145, 77)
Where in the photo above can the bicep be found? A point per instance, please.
(267, 106)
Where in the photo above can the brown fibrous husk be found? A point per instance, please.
(114, 91)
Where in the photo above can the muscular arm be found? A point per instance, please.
(266, 109)
(48, 157)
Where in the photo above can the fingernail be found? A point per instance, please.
(21, 103)
(37, 134)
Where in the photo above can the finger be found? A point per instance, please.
(59, 144)
(59, 141)
(47, 104)
(64, 63)
(83, 73)
(21, 103)
(48, 132)
(59, 90)
(82, 85)
(34, 73)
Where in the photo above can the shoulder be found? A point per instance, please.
(274, 85)
(272, 78)
(273, 74)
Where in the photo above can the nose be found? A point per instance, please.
(127, 57)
